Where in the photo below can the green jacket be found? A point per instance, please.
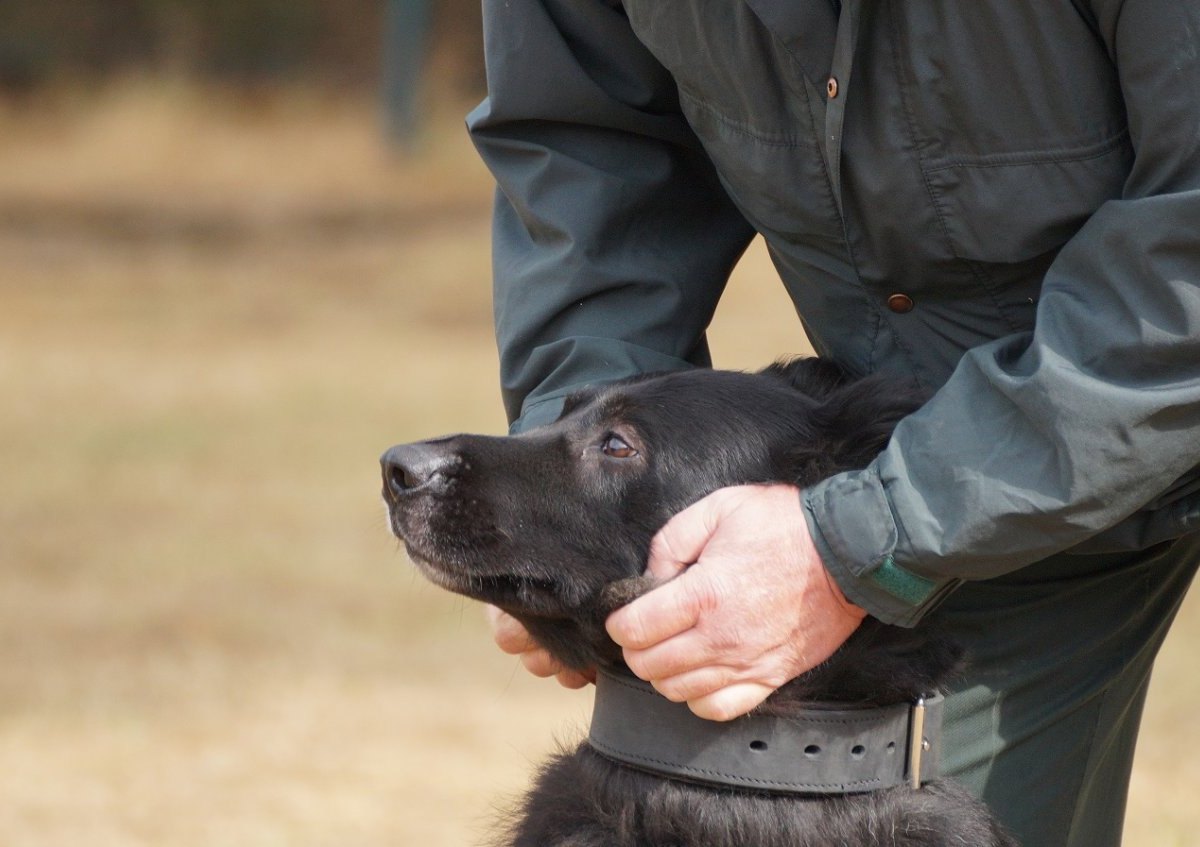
(1024, 175)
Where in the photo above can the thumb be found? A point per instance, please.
(680, 542)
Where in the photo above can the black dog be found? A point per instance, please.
(554, 526)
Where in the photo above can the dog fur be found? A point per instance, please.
(554, 525)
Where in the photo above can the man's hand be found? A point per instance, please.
(750, 606)
(514, 639)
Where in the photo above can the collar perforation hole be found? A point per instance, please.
(858, 751)
(758, 746)
(812, 751)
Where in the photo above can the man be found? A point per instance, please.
(996, 201)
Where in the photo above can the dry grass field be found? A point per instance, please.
(215, 313)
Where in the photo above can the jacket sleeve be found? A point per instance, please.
(1085, 432)
(612, 237)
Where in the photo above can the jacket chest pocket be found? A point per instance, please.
(1010, 212)
(1017, 114)
(777, 179)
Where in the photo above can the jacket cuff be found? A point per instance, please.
(857, 536)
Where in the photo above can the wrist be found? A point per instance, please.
(850, 521)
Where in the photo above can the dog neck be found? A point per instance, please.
(820, 749)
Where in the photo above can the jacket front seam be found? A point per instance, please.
(938, 212)
(976, 272)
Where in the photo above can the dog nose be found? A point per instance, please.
(408, 467)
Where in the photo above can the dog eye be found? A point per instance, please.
(615, 448)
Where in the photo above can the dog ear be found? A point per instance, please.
(813, 377)
(855, 423)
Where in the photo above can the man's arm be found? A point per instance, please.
(1038, 443)
(613, 238)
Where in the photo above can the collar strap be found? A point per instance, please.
(822, 749)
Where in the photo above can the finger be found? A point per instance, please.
(657, 615)
(694, 684)
(541, 663)
(681, 540)
(681, 654)
(730, 702)
(508, 633)
(574, 679)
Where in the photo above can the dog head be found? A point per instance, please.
(554, 525)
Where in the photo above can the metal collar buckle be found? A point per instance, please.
(918, 744)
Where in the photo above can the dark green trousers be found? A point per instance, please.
(1043, 723)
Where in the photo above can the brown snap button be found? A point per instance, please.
(831, 87)
(900, 303)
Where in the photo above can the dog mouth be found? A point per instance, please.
(523, 592)
(469, 560)
(511, 585)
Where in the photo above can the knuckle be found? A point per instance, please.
(778, 674)
(728, 641)
(660, 547)
(701, 594)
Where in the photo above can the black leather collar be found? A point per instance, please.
(824, 749)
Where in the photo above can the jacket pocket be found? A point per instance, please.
(1014, 207)
(1016, 112)
(775, 176)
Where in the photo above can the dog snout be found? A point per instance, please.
(410, 467)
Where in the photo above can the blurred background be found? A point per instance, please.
(243, 249)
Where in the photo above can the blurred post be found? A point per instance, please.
(406, 37)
